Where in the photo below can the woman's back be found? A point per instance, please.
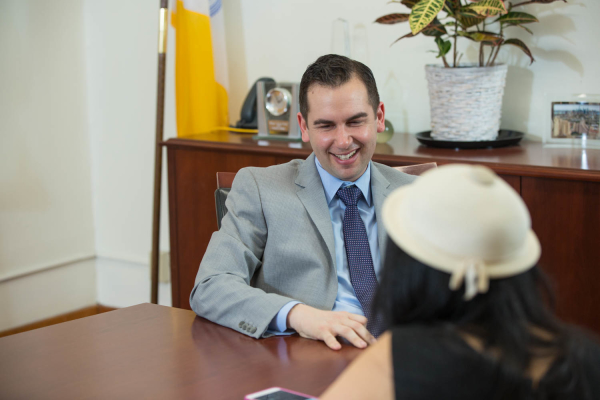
(436, 362)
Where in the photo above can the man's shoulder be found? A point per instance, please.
(273, 175)
(394, 176)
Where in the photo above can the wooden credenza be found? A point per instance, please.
(561, 187)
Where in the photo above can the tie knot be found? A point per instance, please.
(349, 195)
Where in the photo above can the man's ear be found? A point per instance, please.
(303, 128)
(380, 117)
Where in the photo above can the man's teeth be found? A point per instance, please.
(345, 157)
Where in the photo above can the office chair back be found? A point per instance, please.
(224, 182)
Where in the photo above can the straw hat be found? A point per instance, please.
(466, 221)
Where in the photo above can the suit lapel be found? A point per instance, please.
(311, 193)
(380, 188)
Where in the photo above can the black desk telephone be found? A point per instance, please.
(248, 119)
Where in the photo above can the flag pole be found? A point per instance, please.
(160, 110)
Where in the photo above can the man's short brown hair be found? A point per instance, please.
(333, 70)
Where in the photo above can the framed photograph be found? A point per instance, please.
(574, 122)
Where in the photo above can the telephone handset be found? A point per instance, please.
(248, 119)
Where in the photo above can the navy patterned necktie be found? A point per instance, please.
(358, 253)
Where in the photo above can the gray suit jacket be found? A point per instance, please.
(276, 245)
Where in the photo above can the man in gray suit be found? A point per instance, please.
(300, 248)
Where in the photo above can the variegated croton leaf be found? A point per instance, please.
(537, 1)
(518, 43)
(408, 35)
(423, 13)
(409, 3)
(488, 8)
(469, 18)
(486, 37)
(517, 18)
(435, 28)
(451, 6)
(392, 19)
(444, 46)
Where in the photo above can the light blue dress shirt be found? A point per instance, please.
(346, 298)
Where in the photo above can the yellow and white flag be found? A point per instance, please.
(200, 66)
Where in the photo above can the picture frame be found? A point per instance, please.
(573, 121)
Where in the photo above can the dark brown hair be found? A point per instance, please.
(333, 70)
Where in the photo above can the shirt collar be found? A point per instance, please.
(332, 184)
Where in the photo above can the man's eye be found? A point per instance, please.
(355, 123)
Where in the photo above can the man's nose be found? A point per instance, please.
(343, 139)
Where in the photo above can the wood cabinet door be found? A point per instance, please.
(513, 181)
(566, 217)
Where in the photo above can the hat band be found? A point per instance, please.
(473, 273)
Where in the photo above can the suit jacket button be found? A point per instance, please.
(241, 323)
(253, 329)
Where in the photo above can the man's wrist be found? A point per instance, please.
(292, 317)
(279, 322)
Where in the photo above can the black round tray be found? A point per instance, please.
(504, 138)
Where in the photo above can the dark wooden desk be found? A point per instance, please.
(561, 187)
(155, 352)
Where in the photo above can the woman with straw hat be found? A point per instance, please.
(465, 303)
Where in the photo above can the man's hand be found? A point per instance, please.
(316, 324)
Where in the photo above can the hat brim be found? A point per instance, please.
(418, 248)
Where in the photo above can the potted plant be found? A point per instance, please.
(466, 100)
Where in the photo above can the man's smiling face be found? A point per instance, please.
(342, 128)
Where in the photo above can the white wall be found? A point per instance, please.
(121, 39)
(45, 192)
(121, 54)
(123, 284)
(47, 293)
